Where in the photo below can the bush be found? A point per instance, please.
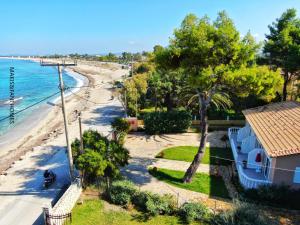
(242, 214)
(154, 204)
(167, 122)
(121, 127)
(280, 196)
(121, 192)
(190, 212)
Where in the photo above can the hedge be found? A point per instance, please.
(167, 122)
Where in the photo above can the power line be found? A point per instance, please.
(62, 88)
(241, 162)
(30, 106)
(97, 103)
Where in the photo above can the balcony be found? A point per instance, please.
(245, 149)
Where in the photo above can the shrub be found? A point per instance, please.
(242, 214)
(190, 212)
(154, 204)
(280, 196)
(121, 192)
(121, 127)
(167, 122)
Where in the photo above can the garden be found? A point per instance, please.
(212, 155)
(133, 206)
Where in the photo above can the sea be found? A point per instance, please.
(31, 84)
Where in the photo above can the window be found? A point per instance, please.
(297, 175)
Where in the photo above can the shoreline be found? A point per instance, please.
(31, 131)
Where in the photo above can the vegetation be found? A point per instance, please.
(134, 88)
(121, 128)
(191, 212)
(215, 60)
(125, 193)
(204, 183)
(282, 48)
(100, 158)
(278, 196)
(167, 122)
(154, 204)
(242, 214)
(121, 192)
(187, 153)
(92, 212)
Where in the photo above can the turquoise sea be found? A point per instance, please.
(32, 83)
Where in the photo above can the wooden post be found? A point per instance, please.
(80, 132)
(61, 84)
(61, 87)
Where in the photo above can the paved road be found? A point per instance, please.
(22, 195)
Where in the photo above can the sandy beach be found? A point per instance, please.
(46, 123)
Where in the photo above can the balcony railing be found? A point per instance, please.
(245, 180)
(249, 182)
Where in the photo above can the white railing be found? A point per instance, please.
(248, 144)
(234, 150)
(243, 133)
(233, 130)
(248, 182)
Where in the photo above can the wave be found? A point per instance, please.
(8, 102)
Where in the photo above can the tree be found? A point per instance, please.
(166, 87)
(91, 164)
(121, 128)
(116, 156)
(282, 47)
(134, 88)
(215, 59)
(101, 157)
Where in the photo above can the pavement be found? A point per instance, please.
(22, 194)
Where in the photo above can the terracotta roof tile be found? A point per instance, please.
(277, 126)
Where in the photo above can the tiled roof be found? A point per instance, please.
(277, 127)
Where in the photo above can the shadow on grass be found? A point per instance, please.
(164, 176)
(141, 217)
(203, 183)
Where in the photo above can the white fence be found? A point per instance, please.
(248, 182)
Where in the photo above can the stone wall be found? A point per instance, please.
(59, 212)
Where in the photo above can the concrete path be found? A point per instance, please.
(181, 166)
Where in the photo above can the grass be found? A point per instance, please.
(203, 183)
(93, 213)
(187, 153)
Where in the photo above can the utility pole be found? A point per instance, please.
(125, 98)
(80, 131)
(62, 88)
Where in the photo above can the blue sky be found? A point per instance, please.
(98, 26)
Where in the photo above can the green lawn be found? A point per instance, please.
(92, 213)
(187, 153)
(204, 183)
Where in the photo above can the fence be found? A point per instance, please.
(60, 214)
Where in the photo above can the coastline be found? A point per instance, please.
(39, 125)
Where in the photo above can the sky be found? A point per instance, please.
(35, 27)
